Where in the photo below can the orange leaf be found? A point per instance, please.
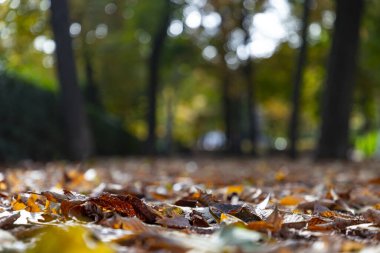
(328, 214)
(280, 175)
(17, 204)
(318, 224)
(290, 201)
(32, 205)
(260, 225)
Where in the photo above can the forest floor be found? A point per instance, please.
(190, 205)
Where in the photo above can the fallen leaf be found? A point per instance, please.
(372, 216)
(229, 219)
(234, 189)
(17, 204)
(290, 201)
(197, 220)
(7, 221)
(351, 246)
(176, 222)
(152, 243)
(68, 240)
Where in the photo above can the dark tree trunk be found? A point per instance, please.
(252, 120)
(91, 89)
(338, 96)
(75, 124)
(226, 105)
(153, 82)
(169, 125)
(296, 96)
(249, 82)
(231, 111)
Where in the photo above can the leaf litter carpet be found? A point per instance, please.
(190, 205)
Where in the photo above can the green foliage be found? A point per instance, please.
(109, 134)
(367, 143)
(31, 127)
(29, 121)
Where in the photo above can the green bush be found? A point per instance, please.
(109, 135)
(30, 125)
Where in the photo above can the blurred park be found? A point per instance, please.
(81, 79)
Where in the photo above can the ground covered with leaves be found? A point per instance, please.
(185, 205)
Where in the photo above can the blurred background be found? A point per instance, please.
(134, 77)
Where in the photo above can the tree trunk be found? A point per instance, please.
(231, 113)
(249, 82)
(226, 105)
(153, 82)
(338, 96)
(252, 120)
(296, 96)
(75, 124)
(169, 125)
(91, 89)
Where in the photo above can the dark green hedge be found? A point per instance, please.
(30, 125)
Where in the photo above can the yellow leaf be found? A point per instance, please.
(238, 189)
(47, 205)
(68, 240)
(18, 206)
(229, 219)
(351, 246)
(377, 206)
(297, 211)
